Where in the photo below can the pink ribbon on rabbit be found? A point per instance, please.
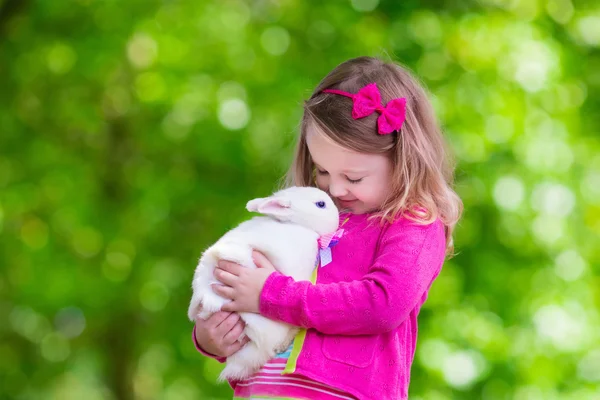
(330, 239)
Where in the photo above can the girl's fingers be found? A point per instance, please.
(229, 266)
(224, 277)
(234, 348)
(224, 291)
(260, 260)
(214, 320)
(233, 335)
(227, 324)
(244, 341)
(230, 307)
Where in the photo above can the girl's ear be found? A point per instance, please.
(274, 206)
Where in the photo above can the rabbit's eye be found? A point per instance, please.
(320, 204)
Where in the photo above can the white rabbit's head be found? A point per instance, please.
(306, 206)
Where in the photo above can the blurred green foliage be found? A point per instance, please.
(133, 132)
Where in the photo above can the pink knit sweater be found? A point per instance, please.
(361, 315)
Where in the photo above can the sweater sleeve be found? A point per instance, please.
(409, 258)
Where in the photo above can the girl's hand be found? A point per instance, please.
(242, 285)
(219, 334)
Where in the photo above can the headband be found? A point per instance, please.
(368, 100)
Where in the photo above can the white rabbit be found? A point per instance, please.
(295, 218)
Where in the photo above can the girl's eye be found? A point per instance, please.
(321, 172)
(354, 180)
(320, 204)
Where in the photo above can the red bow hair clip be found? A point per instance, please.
(368, 100)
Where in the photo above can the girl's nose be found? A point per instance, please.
(336, 189)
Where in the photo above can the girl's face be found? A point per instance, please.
(358, 182)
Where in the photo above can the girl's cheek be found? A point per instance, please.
(322, 183)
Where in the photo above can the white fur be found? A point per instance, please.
(288, 238)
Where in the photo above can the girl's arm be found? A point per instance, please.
(409, 259)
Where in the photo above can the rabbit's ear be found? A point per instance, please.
(252, 205)
(274, 206)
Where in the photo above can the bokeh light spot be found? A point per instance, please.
(563, 328)
(61, 58)
(231, 90)
(234, 114)
(87, 242)
(275, 40)
(569, 265)
(364, 5)
(70, 322)
(589, 29)
(142, 50)
(588, 368)
(154, 296)
(29, 324)
(150, 86)
(553, 199)
(34, 233)
(509, 192)
(55, 347)
(461, 369)
(560, 10)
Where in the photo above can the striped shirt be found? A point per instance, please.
(269, 383)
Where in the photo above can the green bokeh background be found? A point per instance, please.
(133, 132)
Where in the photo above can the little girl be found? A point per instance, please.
(370, 139)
